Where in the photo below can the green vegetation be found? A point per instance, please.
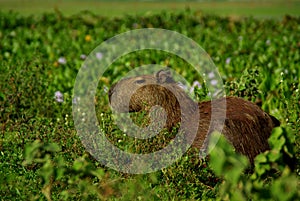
(42, 158)
(262, 9)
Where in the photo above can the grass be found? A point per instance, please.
(264, 9)
(41, 156)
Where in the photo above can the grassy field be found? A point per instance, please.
(43, 158)
(260, 9)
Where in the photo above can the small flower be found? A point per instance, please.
(75, 100)
(228, 59)
(59, 97)
(240, 38)
(99, 55)
(214, 82)
(58, 94)
(60, 100)
(195, 84)
(88, 38)
(62, 60)
(268, 42)
(211, 75)
(83, 56)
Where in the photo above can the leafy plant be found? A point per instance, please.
(272, 178)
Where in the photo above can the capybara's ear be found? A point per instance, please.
(276, 122)
(164, 76)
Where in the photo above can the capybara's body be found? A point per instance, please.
(244, 124)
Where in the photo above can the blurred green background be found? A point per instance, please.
(261, 9)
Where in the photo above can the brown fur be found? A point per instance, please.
(246, 126)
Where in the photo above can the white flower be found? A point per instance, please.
(211, 75)
(195, 84)
(75, 100)
(99, 55)
(214, 82)
(59, 97)
(228, 60)
(83, 56)
(62, 60)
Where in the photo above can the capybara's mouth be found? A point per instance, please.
(111, 91)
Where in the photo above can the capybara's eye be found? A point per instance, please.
(139, 81)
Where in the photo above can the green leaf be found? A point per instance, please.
(224, 160)
(98, 173)
(274, 155)
(60, 167)
(79, 164)
(261, 158)
(2, 96)
(52, 147)
(31, 151)
(47, 170)
(276, 140)
(286, 188)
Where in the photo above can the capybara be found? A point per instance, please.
(245, 125)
